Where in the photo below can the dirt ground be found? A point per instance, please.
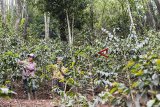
(43, 97)
(25, 103)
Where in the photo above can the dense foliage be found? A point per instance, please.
(129, 28)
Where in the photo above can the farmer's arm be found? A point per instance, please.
(21, 62)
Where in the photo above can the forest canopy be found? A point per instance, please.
(78, 30)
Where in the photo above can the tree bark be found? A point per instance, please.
(157, 2)
(62, 27)
(150, 18)
(92, 19)
(102, 15)
(12, 11)
(8, 5)
(3, 12)
(18, 14)
(72, 29)
(132, 27)
(26, 19)
(154, 16)
(47, 21)
(69, 29)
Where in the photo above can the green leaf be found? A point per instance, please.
(158, 96)
(135, 84)
(70, 81)
(150, 103)
(113, 90)
(72, 64)
(129, 64)
(158, 62)
(139, 73)
(22, 21)
(137, 66)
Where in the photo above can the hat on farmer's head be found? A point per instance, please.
(59, 58)
(31, 55)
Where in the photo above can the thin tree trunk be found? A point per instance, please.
(153, 14)
(12, 10)
(158, 5)
(157, 2)
(47, 21)
(103, 11)
(144, 19)
(72, 28)
(132, 27)
(62, 25)
(92, 18)
(8, 5)
(69, 29)
(26, 19)
(3, 12)
(150, 17)
(18, 14)
(23, 9)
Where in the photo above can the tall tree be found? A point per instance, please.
(3, 12)
(61, 9)
(12, 10)
(69, 29)
(47, 22)
(153, 14)
(132, 26)
(92, 14)
(157, 2)
(158, 5)
(18, 13)
(150, 18)
(25, 16)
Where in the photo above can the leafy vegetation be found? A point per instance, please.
(78, 30)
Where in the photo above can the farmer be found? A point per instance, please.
(28, 74)
(58, 75)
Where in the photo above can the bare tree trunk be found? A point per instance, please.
(92, 19)
(12, 10)
(69, 29)
(132, 27)
(154, 16)
(25, 7)
(62, 26)
(8, 5)
(72, 28)
(47, 21)
(150, 18)
(18, 14)
(158, 5)
(103, 11)
(3, 12)
(157, 2)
